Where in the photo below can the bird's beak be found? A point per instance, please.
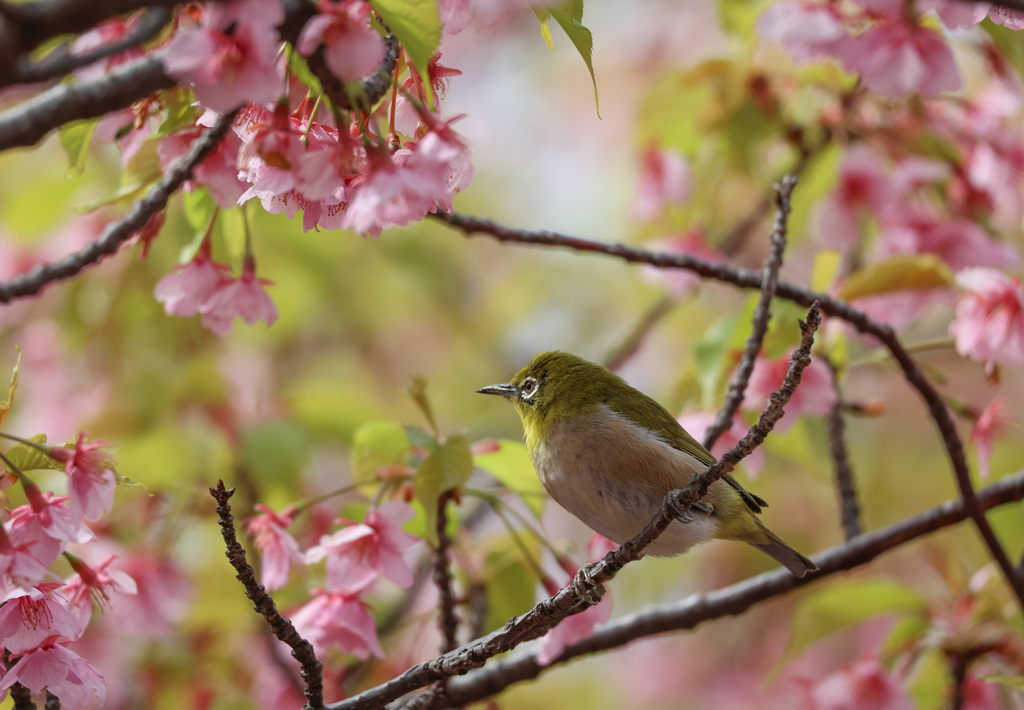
(505, 390)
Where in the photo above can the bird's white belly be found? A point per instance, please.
(615, 476)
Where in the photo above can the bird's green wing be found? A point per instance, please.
(649, 414)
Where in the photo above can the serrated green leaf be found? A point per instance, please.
(512, 466)
(75, 138)
(416, 24)
(844, 604)
(900, 273)
(581, 38)
(448, 465)
(12, 389)
(419, 438)
(28, 458)
(377, 444)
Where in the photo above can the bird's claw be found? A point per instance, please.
(700, 506)
(585, 586)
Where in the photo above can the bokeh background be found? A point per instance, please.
(273, 411)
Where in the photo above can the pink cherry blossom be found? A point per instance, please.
(957, 242)
(455, 14)
(358, 554)
(231, 58)
(808, 30)
(338, 620)
(664, 180)
(989, 323)
(163, 598)
(270, 153)
(895, 58)
(955, 14)
(106, 33)
(54, 518)
(94, 583)
(991, 425)
(90, 478)
(866, 684)
(218, 172)
(697, 423)
(60, 671)
(184, 291)
(814, 396)
(598, 546)
(25, 553)
(681, 282)
(276, 545)
(353, 49)
(863, 190)
(1010, 19)
(32, 617)
(244, 297)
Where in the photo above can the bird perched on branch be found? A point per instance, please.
(608, 454)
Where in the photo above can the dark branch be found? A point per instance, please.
(730, 601)
(586, 589)
(762, 314)
(302, 650)
(448, 621)
(369, 91)
(61, 61)
(116, 233)
(848, 505)
(745, 278)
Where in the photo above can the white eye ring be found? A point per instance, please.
(528, 388)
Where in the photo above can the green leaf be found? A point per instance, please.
(377, 444)
(581, 38)
(126, 482)
(417, 389)
(75, 137)
(448, 465)
(416, 24)
(29, 458)
(844, 604)
(12, 388)
(1011, 681)
(900, 273)
(275, 451)
(512, 466)
(511, 583)
(420, 438)
(826, 266)
(710, 357)
(199, 208)
(545, 29)
(179, 112)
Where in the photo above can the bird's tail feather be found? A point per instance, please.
(785, 555)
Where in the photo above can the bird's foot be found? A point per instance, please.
(700, 506)
(586, 586)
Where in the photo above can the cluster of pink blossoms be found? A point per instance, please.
(40, 618)
(357, 556)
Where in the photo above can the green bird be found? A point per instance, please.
(608, 454)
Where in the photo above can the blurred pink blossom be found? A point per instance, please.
(231, 58)
(60, 671)
(338, 620)
(664, 180)
(1010, 19)
(53, 517)
(358, 554)
(244, 297)
(184, 291)
(104, 34)
(957, 242)
(90, 478)
(218, 172)
(697, 423)
(276, 545)
(353, 49)
(989, 323)
(94, 583)
(682, 282)
(955, 14)
(572, 629)
(863, 189)
(991, 425)
(25, 553)
(808, 30)
(896, 57)
(815, 395)
(865, 684)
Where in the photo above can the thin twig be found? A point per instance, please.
(117, 233)
(447, 620)
(302, 650)
(836, 425)
(61, 61)
(762, 314)
(52, 701)
(733, 600)
(586, 588)
(370, 90)
(746, 278)
(628, 347)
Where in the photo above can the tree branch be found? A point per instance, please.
(116, 233)
(302, 650)
(762, 314)
(448, 621)
(729, 601)
(848, 505)
(586, 588)
(745, 278)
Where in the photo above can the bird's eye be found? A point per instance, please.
(528, 388)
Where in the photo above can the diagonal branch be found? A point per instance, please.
(117, 233)
(729, 601)
(586, 589)
(448, 621)
(762, 314)
(746, 278)
(848, 506)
